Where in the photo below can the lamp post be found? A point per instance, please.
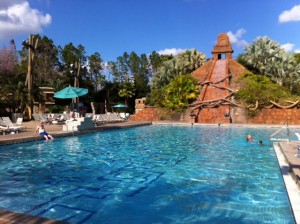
(31, 45)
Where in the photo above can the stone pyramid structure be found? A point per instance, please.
(217, 80)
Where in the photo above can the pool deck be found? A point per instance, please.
(286, 153)
(56, 131)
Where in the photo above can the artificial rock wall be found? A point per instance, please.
(276, 116)
(266, 116)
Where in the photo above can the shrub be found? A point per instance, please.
(260, 88)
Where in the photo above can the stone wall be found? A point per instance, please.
(277, 116)
(218, 116)
(139, 104)
(146, 114)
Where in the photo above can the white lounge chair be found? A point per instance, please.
(297, 135)
(4, 129)
(36, 117)
(12, 126)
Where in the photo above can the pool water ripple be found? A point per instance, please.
(155, 174)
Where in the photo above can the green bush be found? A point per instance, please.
(179, 93)
(56, 109)
(260, 88)
(155, 98)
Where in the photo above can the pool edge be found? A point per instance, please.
(292, 188)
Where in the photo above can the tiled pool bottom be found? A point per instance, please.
(147, 175)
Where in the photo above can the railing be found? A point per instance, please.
(278, 131)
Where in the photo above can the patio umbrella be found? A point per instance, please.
(120, 106)
(71, 92)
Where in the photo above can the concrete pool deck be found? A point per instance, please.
(56, 131)
(286, 151)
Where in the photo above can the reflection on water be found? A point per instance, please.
(155, 174)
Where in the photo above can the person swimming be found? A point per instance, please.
(249, 138)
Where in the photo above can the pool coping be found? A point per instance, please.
(291, 185)
(20, 218)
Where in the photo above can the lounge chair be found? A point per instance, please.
(5, 130)
(36, 117)
(12, 126)
(19, 121)
(115, 118)
(97, 120)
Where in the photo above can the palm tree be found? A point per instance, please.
(269, 59)
(184, 63)
(190, 60)
(181, 92)
(127, 91)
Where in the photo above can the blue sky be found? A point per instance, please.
(112, 27)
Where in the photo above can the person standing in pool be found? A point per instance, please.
(249, 138)
(260, 142)
(42, 132)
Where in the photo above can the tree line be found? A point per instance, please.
(164, 79)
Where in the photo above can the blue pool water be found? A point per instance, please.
(153, 174)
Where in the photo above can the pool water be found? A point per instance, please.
(153, 174)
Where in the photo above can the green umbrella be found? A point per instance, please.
(71, 92)
(120, 106)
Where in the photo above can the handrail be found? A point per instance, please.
(279, 130)
(276, 132)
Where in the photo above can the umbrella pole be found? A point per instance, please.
(73, 103)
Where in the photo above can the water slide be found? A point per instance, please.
(218, 73)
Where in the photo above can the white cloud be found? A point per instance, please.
(7, 3)
(20, 19)
(235, 38)
(173, 51)
(297, 51)
(288, 47)
(290, 15)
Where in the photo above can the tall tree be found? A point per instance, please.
(139, 71)
(9, 78)
(45, 66)
(156, 60)
(142, 84)
(95, 64)
(73, 60)
(8, 60)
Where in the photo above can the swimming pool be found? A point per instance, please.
(153, 174)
